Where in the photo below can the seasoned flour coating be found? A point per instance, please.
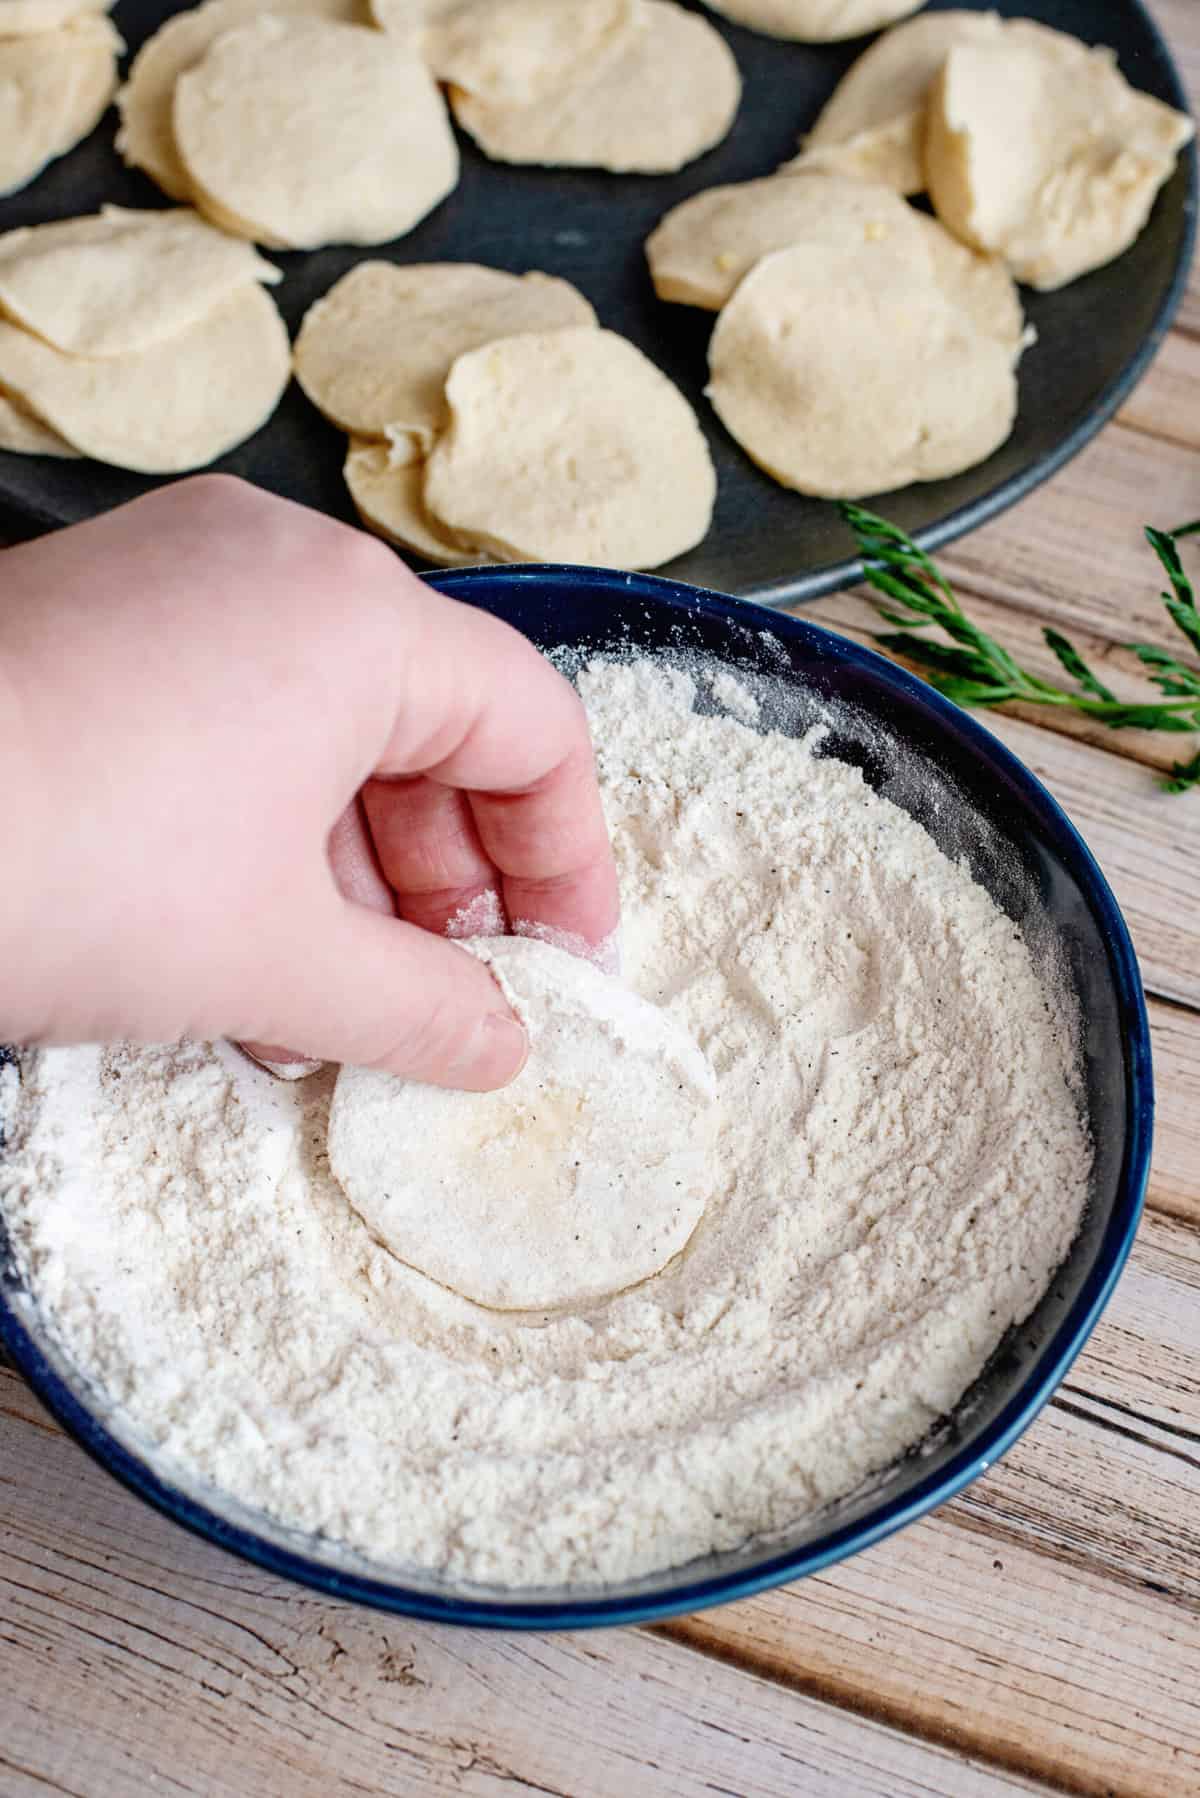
(582, 1178)
(898, 1168)
(1046, 157)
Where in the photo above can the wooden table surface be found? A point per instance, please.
(1041, 1633)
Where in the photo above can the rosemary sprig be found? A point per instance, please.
(973, 669)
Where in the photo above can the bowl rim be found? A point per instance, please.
(590, 1609)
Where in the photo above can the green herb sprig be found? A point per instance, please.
(973, 669)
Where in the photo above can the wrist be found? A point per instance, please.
(24, 820)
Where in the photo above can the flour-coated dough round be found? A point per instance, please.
(850, 374)
(389, 496)
(1046, 156)
(23, 18)
(120, 280)
(375, 351)
(303, 132)
(582, 1178)
(570, 446)
(146, 137)
(815, 21)
(55, 86)
(175, 406)
(512, 51)
(21, 432)
(655, 99)
(702, 248)
(874, 124)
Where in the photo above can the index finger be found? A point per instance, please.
(481, 710)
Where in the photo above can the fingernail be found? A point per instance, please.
(494, 1056)
(283, 1070)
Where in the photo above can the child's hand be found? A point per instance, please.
(193, 691)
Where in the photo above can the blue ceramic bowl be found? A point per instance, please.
(978, 802)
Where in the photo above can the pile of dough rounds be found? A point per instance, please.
(296, 126)
(859, 346)
(1031, 145)
(632, 86)
(143, 339)
(58, 73)
(491, 420)
(581, 1179)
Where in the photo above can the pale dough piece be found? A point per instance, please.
(389, 495)
(581, 1179)
(570, 446)
(846, 374)
(815, 21)
(175, 406)
(146, 138)
(874, 124)
(656, 99)
(121, 280)
(1053, 163)
(303, 132)
(511, 51)
(701, 249)
(22, 18)
(21, 432)
(54, 88)
(375, 352)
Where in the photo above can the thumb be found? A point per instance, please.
(377, 992)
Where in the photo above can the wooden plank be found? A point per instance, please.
(1175, 1177)
(1166, 403)
(137, 1658)
(1050, 1618)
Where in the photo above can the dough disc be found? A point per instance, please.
(570, 446)
(54, 88)
(22, 18)
(121, 281)
(512, 51)
(298, 132)
(850, 374)
(1045, 156)
(655, 99)
(146, 138)
(389, 496)
(583, 1177)
(175, 406)
(375, 352)
(27, 435)
(815, 21)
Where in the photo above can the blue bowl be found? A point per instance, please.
(979, 803)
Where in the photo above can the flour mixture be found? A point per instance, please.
(900, 1166)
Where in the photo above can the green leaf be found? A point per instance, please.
(942, 656)
(1183, 776)
(1075, 665)
(1187, 618)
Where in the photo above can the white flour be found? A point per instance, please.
(900, 1168)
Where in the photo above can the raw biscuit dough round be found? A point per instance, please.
(173, 407)
(22, 18)
(21, 432)
(120, 280)
(570, 446)
(389, 496)
(653, 101)
(873, 126)
(1049, 160)
(815, 21)
(375, 352)
(510, 52)
(846, 375)
(582, 1178)
(300, 132)
(146, 137)
(702, 248)
(55, 86)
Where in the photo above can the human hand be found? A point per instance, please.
(257, 768)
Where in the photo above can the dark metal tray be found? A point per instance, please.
(1096, 337)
